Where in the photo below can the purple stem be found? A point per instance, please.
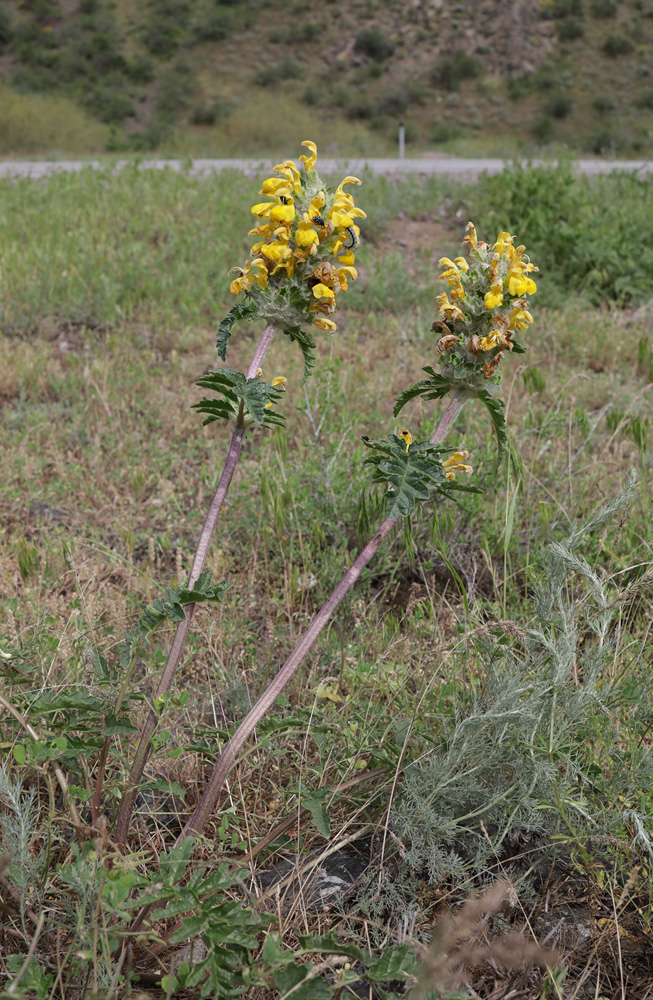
(207, 803)
(176, 649)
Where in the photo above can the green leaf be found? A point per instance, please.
(434, 387)
(20, 754)
(397, 962)
(299, 981)
(253, 393)
(306, 346)
(242, 310)
(497, 411)
(314, 802)
(329, 944)
(412, 474)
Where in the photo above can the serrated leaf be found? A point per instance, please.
(253, 393)
(434, 387)
(306, 345)
(242, 310)
(497, 411)
(412, 473)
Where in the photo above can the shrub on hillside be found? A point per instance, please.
(449, 71)
(617, 45)
(559, 106)
(563, 8)
(373, 43)
(570, 29)
(603, 8)
(5, 27)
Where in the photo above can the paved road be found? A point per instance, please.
(439, 166)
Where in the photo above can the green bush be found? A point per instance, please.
(209, 114)
(559, 106)
(215, 25)
(603, 8)
(360, 109)
(5, 27)
(617, 45)
(373, 43)
(565, 8)
(394, 102)
(543, 129)
(604, 104)
(44, 11)
(570, 29)
(586, 234)
(449, 71)
(110, 103)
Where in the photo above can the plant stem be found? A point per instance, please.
(176, 649)
(205, 808)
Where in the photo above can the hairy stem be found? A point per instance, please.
(199, 561)
(207, 803)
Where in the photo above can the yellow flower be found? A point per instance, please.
(309, 161)
(279, 381)
(347, 259)
(495, 338)
(470, 229)
(494, 297)
(519, 318)
(457, 464)
(406, 436)
(521, 284)
(305, 235)
(449, 309)
(344, 273)
(254, 271)
(324, 324)
(282, 209)
(459, 264)
(288, 169)
(503, 242)
(321, 291)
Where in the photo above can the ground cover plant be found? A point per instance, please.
(448, 643)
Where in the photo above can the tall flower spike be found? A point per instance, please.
(304, 244)
(484, 309)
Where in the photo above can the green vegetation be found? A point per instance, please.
(466, 645)
(152, 72)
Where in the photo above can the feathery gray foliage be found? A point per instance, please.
(516, 762)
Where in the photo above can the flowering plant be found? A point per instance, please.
(302, 257)
(482, 316)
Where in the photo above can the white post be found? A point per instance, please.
(402, 141)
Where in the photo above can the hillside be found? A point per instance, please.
(205, 77)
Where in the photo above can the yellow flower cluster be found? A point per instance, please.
(474, 310)
(306, 235)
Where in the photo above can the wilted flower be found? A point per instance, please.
(457, 464)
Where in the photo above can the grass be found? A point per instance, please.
(112, 286)
(36, 125)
